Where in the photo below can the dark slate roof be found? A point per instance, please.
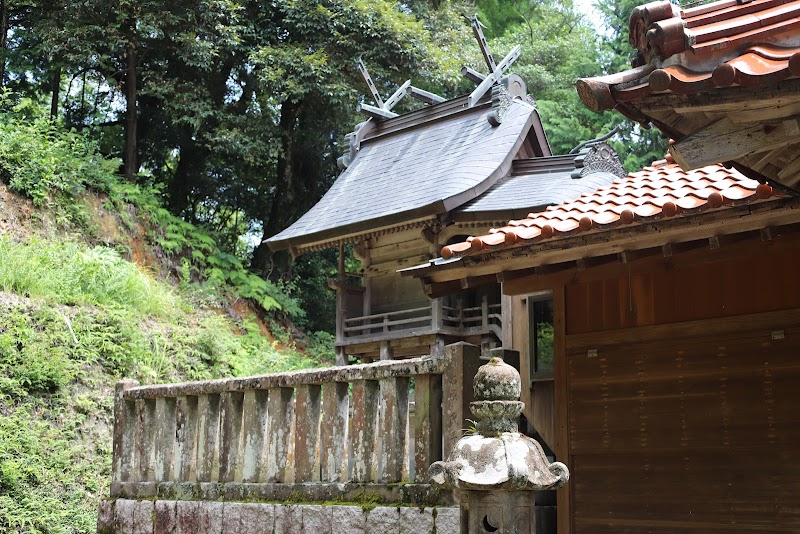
(419, 171)
(532, 186)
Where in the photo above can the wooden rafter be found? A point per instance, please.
(726, 140)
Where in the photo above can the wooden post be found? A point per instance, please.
(123, 438)
(460, 366)
(341, 303)
(362, 429)
(341, 356)
(254, 424)
(279, 424)
(164, 438)
(231, 426)
(437, 313)
(185, 437)
(427, 424)
(485, 313)
(393, 426)
(333, 431)
(561, 383)
(306, 413)
(385, 351)
(145, 440)
(207, 437)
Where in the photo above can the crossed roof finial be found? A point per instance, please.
(496, 71)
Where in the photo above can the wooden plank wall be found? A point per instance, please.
(759, 277)
(387, 254)
(683, 411)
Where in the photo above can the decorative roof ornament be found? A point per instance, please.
(599, 157)
(380, 111)
(383, 110)
(501, 101)
(497, 456)
(496, 71)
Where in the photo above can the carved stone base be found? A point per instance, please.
(502, 512)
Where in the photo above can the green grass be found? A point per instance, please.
(75, 316)
(73, 273)
(73, 320)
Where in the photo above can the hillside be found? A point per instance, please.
(99, 282)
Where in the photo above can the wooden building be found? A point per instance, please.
(720, 79)
(658, 319)
(414, 183)
(669, 386)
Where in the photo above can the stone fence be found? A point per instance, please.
(338, 434)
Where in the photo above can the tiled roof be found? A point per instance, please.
(535, 183)
(687, 51)
(659, 191)
(415, 172)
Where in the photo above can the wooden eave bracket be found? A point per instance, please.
(725, 140)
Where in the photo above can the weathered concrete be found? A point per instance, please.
(497, 469)
(461, 362)
(143, 517)
(362, 429)
(105, 517)
(415, 520)
(348, 520)
(317, 519)
(347, 373)
(406, 494)
(383, 519)
(188, 517)
(279, 422)
(333, 431)
(257, 518)
(393, 426)
(447, 520)
(199, 517)
(306, 412)
(288, 519)
(185, 432)
(166, 517)
(254, 425)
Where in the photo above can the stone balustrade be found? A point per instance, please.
(314, 435)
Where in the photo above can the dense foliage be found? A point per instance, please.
(236, 109)
(76, 314)
(158, 142)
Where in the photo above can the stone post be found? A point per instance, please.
(496, 469)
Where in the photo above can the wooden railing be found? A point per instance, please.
(436, 318)
(387, 322)
(319, 434)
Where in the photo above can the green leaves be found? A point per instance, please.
(41, 161)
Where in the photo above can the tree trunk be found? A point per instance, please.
(56, 91)
(180, 188)
(130, 158)
(3, 39)
(284, 194)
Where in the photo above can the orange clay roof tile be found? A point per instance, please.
(693, 50)
(661, 190)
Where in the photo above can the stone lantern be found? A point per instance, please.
(495, 468)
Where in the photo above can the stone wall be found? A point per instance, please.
(124, 516)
